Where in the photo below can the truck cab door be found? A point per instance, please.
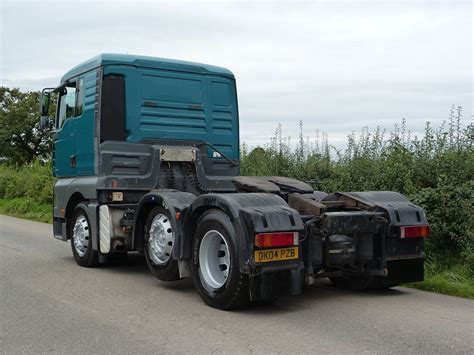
(64, 155)
(74, 151)
(84, 124)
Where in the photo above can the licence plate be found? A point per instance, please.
(267, 255)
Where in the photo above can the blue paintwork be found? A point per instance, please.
(163, 104)
(76, 136)
(64, 148)
(85, 127)
(164, 99)
(144, 61)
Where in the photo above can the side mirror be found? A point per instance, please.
(45, 97)
(45, 122)
(44, 100)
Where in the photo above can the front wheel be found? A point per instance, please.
(81, 238)
(215, 263)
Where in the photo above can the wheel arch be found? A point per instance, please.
(75, 199)
(195, 211)
(174, 201)
(248, 212)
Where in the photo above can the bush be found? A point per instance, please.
(435, 171)
(27, 208)
(449, 208)
(33, 181)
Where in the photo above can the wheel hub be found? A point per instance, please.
(214, 259)
(160, 241)
(80, 235)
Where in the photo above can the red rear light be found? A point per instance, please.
(278, 239)
(414, 232)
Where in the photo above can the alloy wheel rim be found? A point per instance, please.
(80, 235)
(160, 241)
(214, 259)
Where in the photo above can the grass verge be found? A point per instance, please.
(26, 208)
(452, 279)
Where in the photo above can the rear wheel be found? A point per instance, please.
(215, 263)
(81, 238)
(159, 240)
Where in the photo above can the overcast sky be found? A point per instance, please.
(335, 65)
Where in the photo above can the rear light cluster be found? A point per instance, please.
(276, 239)
(414, 231)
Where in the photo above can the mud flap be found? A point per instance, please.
(270, 285)
(92, 214)
(404, 270)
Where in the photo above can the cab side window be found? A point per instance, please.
(70, 102)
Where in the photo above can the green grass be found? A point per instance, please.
(26, 208)
(450, 279)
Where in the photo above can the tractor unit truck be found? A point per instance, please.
(146, 155)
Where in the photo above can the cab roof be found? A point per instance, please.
(144, 61)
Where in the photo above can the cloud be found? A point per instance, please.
(337, 66)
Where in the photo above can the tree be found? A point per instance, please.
(21, 140)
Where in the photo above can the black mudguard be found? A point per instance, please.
(250, 213)
(403, 258)
(174, 202)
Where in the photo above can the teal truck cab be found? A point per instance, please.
(146, 155)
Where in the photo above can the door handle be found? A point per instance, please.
(72, 161)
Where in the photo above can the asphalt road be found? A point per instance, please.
(49, 304)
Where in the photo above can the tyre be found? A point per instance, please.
(81, 238)
(362, 283)
(215, 263)
(158, 245)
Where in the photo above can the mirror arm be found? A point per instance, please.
(47, 89)
(60, 87)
